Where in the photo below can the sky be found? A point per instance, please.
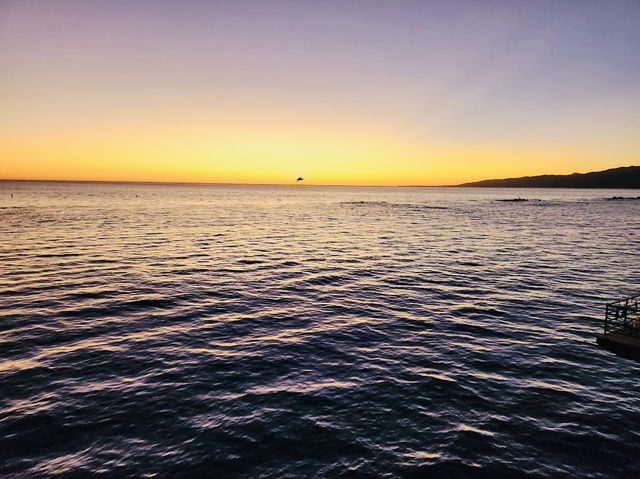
(363, 92)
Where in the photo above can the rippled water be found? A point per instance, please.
(238, 331)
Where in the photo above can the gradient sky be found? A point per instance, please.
(340, 92)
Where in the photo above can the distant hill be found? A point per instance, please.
(624, 177)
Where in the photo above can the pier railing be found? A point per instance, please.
(623, 317)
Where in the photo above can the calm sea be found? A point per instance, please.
(273, 332)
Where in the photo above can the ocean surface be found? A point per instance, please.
(274, 332)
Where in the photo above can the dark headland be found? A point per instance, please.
(623, 177)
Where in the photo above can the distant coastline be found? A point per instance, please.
(624, 177)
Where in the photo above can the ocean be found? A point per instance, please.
(163, 330)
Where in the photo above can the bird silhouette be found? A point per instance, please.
(300, 178)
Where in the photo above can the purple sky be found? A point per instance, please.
(556, 79)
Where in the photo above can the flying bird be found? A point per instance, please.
(300, 178)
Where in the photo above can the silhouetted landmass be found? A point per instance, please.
(624, 177)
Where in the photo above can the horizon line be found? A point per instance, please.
(466, 184)
(220, 183)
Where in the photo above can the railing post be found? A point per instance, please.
(621, 316)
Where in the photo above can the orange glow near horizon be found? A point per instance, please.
(237, 153)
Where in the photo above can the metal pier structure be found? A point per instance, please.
(622, 328)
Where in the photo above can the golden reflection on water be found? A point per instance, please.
(464, 427)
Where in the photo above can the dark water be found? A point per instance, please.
(217, 331)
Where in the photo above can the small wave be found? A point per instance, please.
(467, 428)
(251, 261)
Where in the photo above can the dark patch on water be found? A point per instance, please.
(385, 204)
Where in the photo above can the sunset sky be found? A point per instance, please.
(340, 92)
